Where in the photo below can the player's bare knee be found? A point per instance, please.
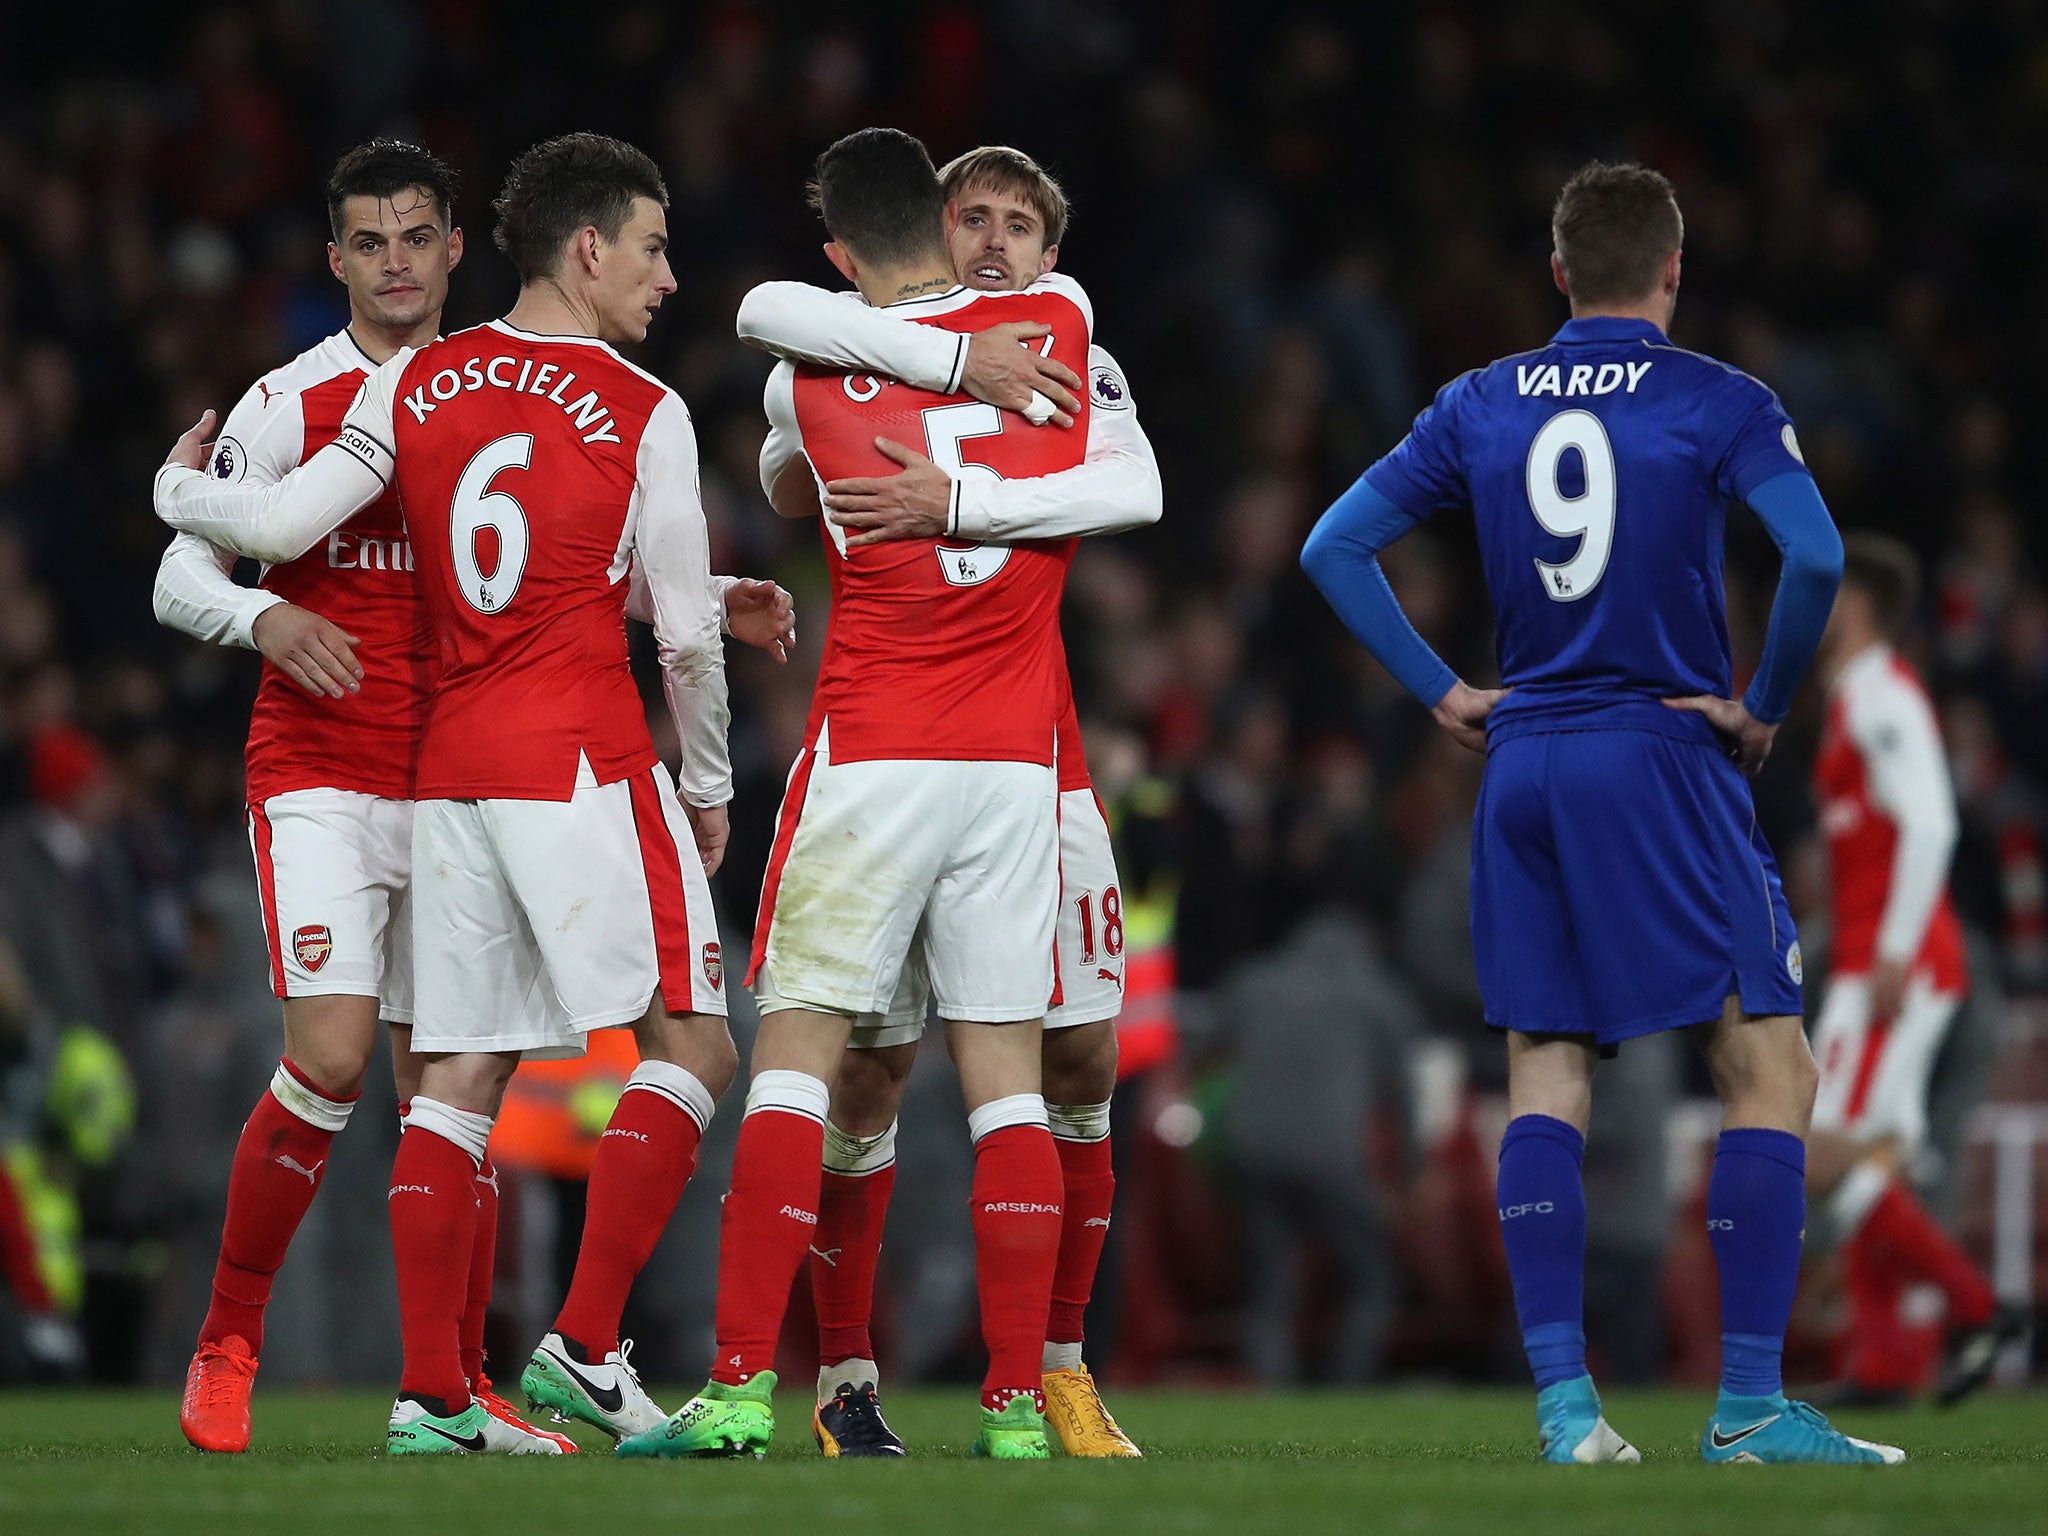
(331, 1041)
(699, 1043)
(869, 1088)
(1080, 1063)
(471, 1080)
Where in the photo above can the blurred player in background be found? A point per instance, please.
(333, 742)
(554, 893)
(1619, 884)
(1005, 218)
(921, 815)
(1898, 975)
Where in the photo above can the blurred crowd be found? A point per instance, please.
(1294, 223)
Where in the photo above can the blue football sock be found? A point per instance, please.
(1542, 1201)
(1756, 1216)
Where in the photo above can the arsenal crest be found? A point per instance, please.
(313, 944)
(714, 968)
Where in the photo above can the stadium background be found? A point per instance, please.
(1294, 226)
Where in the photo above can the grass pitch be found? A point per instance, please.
(1228, 1463)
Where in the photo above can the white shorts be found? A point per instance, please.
(1088, 940)
(955, 861)
(1873, 1074)
(536, 921)
(334, 869)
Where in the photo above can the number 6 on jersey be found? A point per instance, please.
(474, 508)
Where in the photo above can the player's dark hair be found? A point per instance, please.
(999, 168)
(1614, 226)
(1887, 571)
(579, 181)
(880, 198)
(383, 168)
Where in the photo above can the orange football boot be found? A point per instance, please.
(215, 1413)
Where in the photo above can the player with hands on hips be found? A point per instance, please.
(1619, 884)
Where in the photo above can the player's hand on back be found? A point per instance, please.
(1463, 713)
(763, 615)
(1748, 739)
(911, 504)
(1005, 372)
(317, 655)
(193, 449)
(711, 826)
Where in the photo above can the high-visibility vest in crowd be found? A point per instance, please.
(1147, 1034)
(55, 1225)
(555, 1111)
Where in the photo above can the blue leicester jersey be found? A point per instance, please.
(1598, 472)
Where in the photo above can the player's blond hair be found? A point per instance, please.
(999, 168)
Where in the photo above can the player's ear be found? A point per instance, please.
(588, 246)
(1557, 274)
(334, 261)
(1671, 267)
(842, 259)
(454, 248)
(1049, 260)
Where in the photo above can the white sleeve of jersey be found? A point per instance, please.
(805, 324)
(640, 605)
(196, 591)
(672, 549)
(1894, 726)
(1114, 488)
(783, 448)
(280, 522)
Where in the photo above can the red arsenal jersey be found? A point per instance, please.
(359, 577)
(938, 648)
(534, 470)
(1888, 813)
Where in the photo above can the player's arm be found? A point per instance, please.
(1901, 745)
(1755, 459)
(1342, 559)
(280, 522)
(787, 479)
(801, 323)
(196, 594)
(672, 546)
(757, 613)
(1116, 487)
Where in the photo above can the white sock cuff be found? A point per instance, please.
(797, 1093)
(1861, 1188)
(309, 1104)
(680, 1086)
(847, 1153)
(465, 1127)
(1001, 1114)
(1079, 1122)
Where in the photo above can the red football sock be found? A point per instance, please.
(769, 1219)
(1900, 1231)
(1090, 1187)
(483, 1264)
(1016, 1205)
(844, 1255)
(433, 1227)
(279, 1163)
(647, 1154)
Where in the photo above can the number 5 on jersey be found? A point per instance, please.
(487, 527)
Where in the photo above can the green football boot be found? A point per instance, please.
(1015, 1434)
(719, 1421)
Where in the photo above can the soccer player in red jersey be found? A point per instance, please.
(1005, 220)
(1898, 976)
(332, 742)
(553, 894)
(921, 814)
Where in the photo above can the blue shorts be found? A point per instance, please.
(1620, 887)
